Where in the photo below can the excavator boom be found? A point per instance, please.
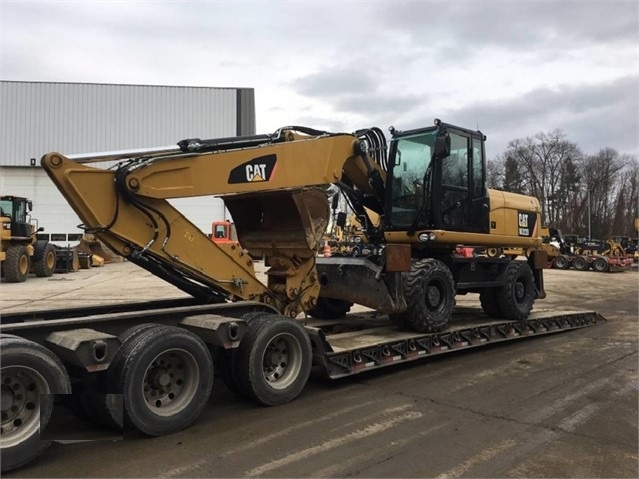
(272, 187)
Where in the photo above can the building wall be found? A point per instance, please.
(74, 118)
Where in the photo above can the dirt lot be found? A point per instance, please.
(563, 405)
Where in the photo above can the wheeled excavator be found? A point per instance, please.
(428, 189)
(420, 198)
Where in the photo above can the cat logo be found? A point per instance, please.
(257, 170)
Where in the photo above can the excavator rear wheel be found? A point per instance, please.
(430, 296)
(517, 295)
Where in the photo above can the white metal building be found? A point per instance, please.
(73, 118)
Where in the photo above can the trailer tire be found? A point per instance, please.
(17, 264)
(44, 259)
(517, 296)
(165, 376)
(561, 262)
(330, 308)
(274, 360)
(227, 358)
(490, 302)
(601, 264)
(580, 263)
(430, 296)
(38, 373)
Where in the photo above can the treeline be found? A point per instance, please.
(575, 190)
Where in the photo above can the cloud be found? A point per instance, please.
(513, 68)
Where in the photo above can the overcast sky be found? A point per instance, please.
(513, 69)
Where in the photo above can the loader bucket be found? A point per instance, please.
(94, 247)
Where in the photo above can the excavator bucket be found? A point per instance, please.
(283, 223)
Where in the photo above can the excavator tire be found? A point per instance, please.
(517, 295)
(16, 265)
(561, 262)
(44, 259)
(580, 263)
(274, 360)
(330, 308)
(156, 402)
(601, 264)
(30, 375)
(490, 302)
(430, 296)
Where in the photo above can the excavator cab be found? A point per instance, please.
(437, 180)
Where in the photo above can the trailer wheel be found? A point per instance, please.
(490, 302)
(517, 296)
(107, 408)
(601, 264)
(330, 308)
(30, 375)
(44, 259)
(17, 264)
(274, 360)
(430, 296)
(561, 262)
(580, 263)
(227, 358)
(165, 375)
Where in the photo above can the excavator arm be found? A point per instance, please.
(271, 184)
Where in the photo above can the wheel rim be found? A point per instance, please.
(433, 296)
(171, 382)
(20, 416)
(520, 292)
(24, 264)
(282, 361)
(50, 260)
(560, 262)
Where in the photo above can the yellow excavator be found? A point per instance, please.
(427, 187)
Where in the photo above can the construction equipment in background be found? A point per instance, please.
(223, 232)
(416, 199)
(21, 252)
(584, 254)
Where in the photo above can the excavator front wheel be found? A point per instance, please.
(430, 296)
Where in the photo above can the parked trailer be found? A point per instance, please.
(160, 356)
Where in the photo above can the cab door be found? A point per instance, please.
(461, 204)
